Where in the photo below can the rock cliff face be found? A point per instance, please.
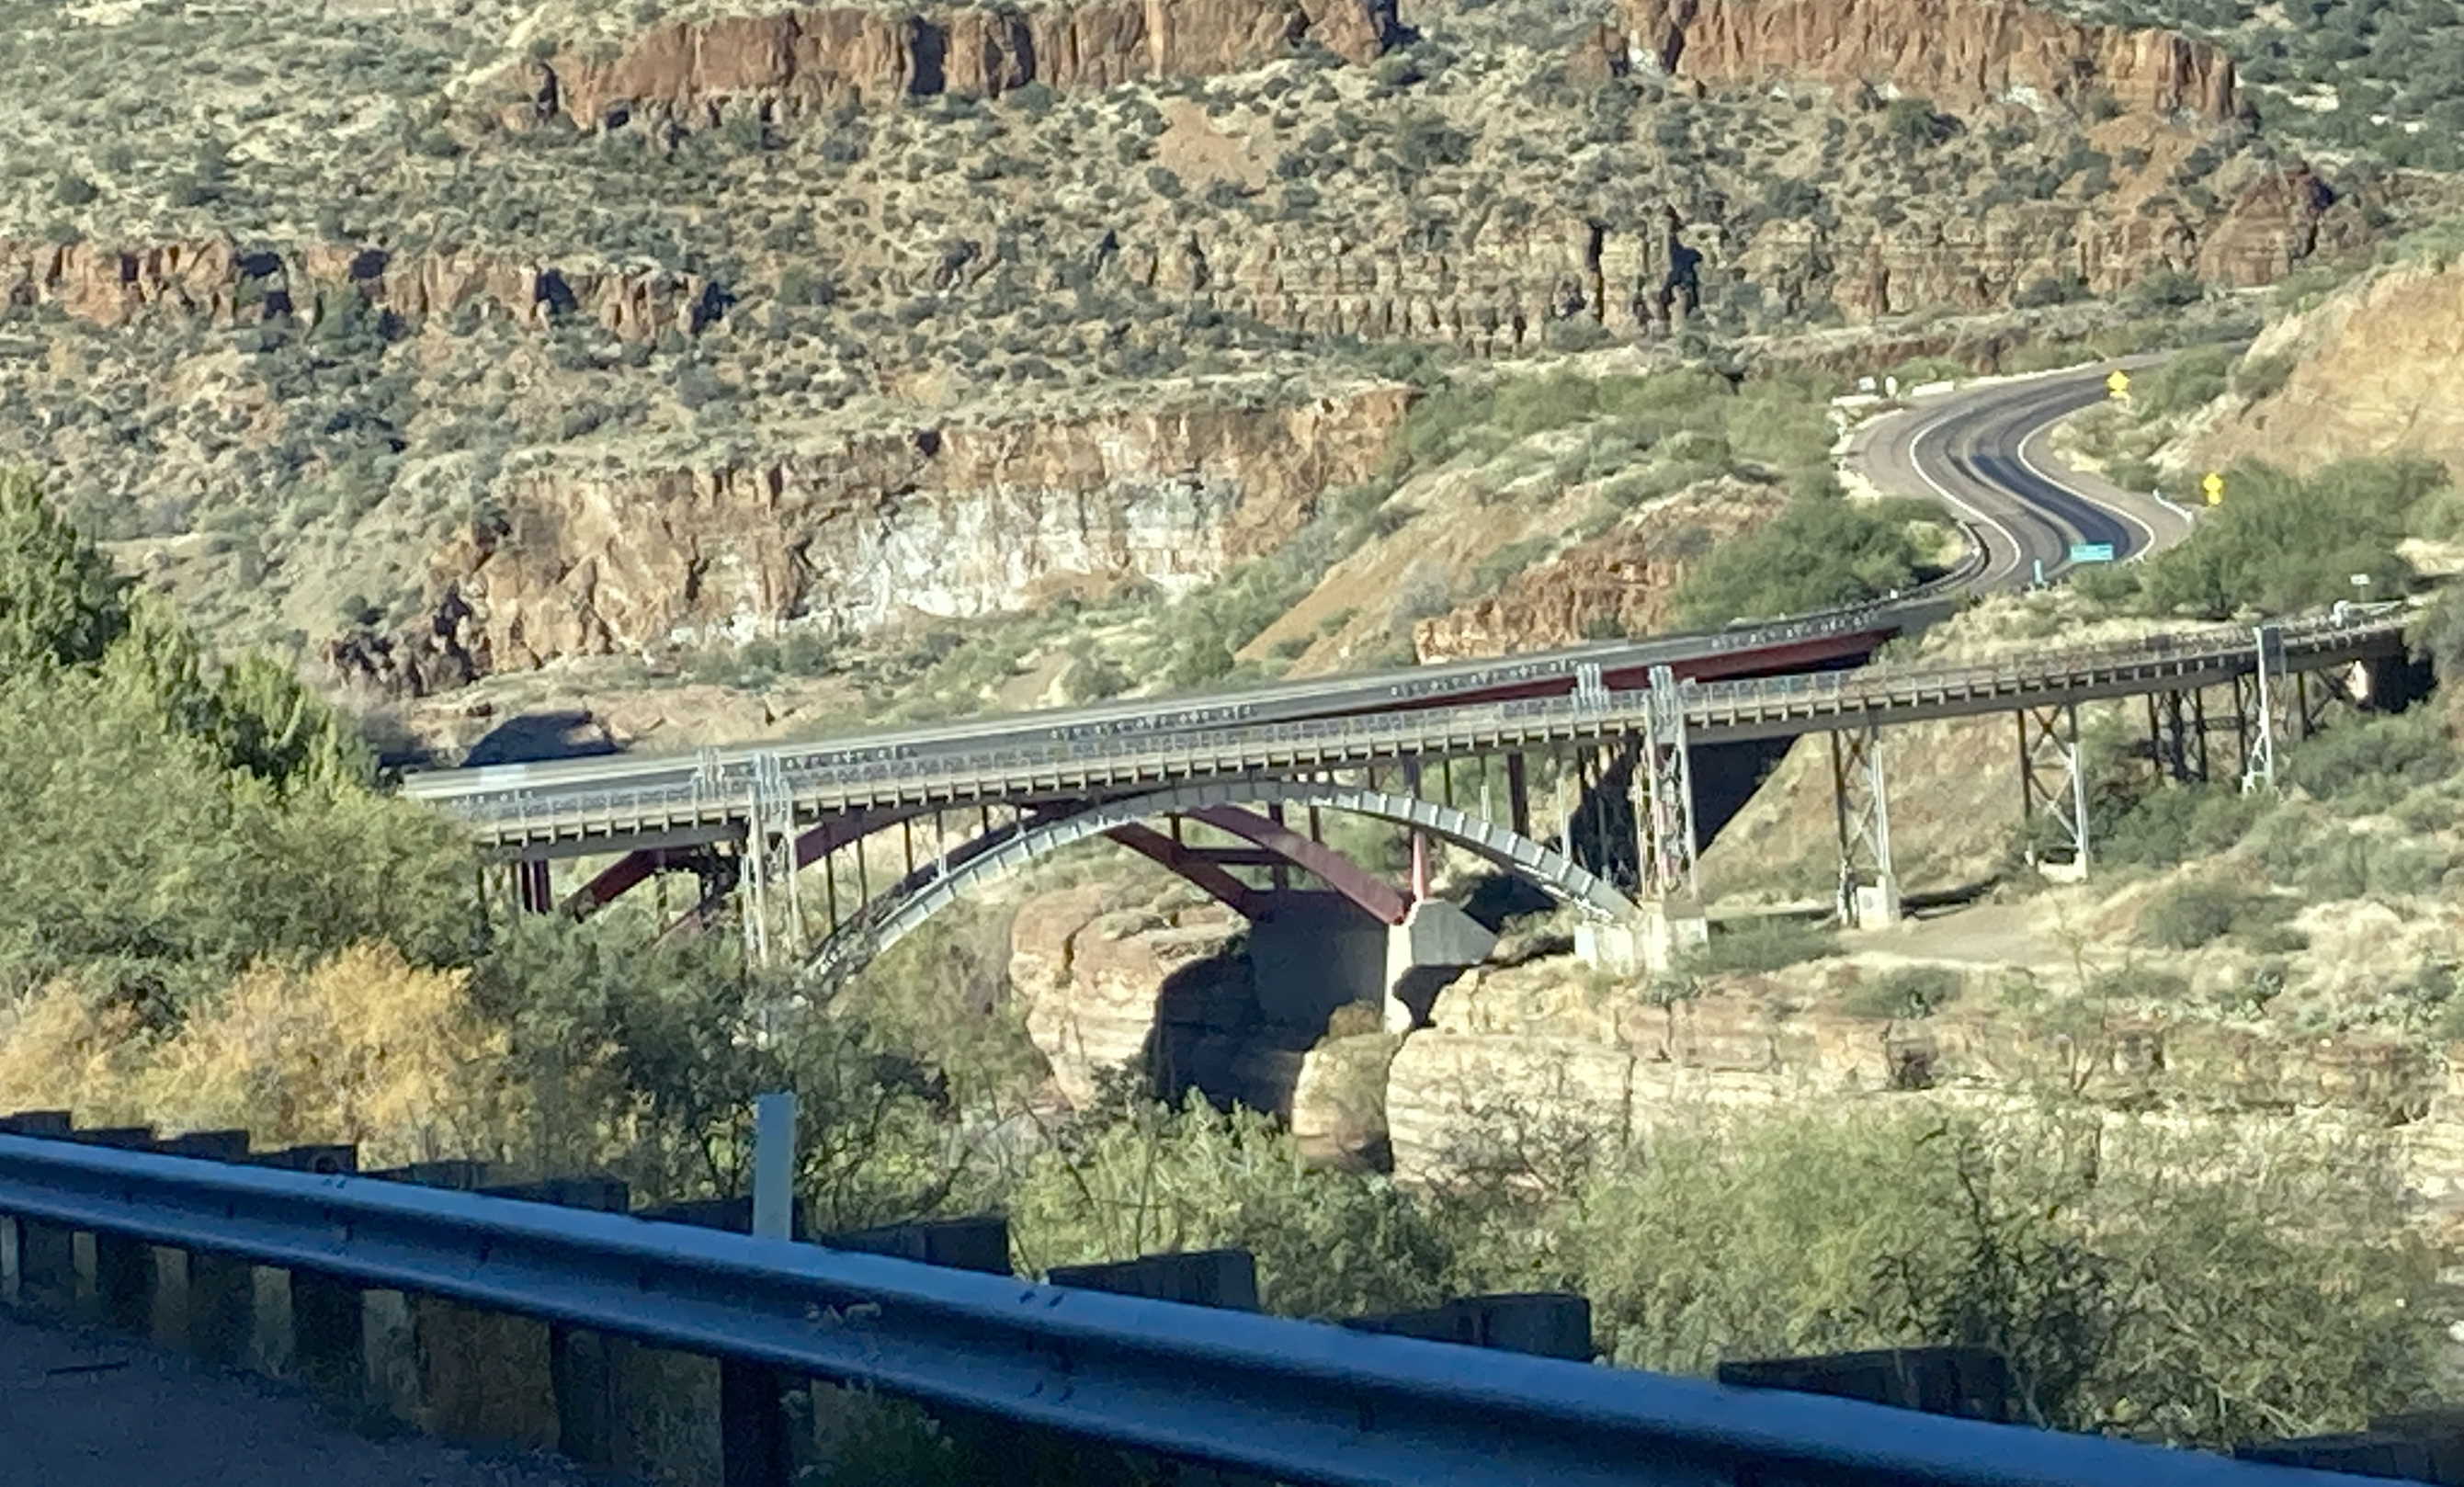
(1619, 583)
(1955, 52)
(2263, 225)
(2376, 369)
(806, 61)
(1103, 987)
(213, 278)
(959, 522)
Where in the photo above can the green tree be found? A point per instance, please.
(60, 603)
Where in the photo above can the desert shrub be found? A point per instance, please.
(2166, 827)
(2372, 761)
(1820, 551)
(1134, 1177)
(2190, 914)
(1765, 944)
(2280, 543)
(1906, 992)
(2073, 1249)
(2260, 377)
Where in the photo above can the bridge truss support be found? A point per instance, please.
(1869, 890)
(2177, 735)
(2053, 788)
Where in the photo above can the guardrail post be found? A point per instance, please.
(37, 1261)
(1966, 1383)
(116, 1273)
(581, 1362)
(978, 1243)
(205, 1304)
(697, 1417)
(1545, 1324)
(309, 1324)
(1225, 1278)
(2365, 1454)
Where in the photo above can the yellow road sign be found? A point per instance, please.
(2215, 487)
(2118, 385)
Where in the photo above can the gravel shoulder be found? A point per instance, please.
(86, 1410)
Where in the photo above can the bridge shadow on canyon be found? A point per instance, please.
(1221, 1033)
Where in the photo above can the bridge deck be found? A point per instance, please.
(714, 804)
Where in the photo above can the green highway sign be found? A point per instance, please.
(2091, 551)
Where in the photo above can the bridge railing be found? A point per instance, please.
(805, 776)
(1294, 1401)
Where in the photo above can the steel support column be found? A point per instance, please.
(1518, 797)
(2168, 736)
(1869, 890)
(2052, 785)
(1420, 838)
(1670, 846)
(2257, 700)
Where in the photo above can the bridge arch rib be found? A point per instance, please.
(898, 913)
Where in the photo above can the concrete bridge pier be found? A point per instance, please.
(1312, 952)
(1662, 935)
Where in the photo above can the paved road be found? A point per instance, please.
(1987, 453)
(79, 1409)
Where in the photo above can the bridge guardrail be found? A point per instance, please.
(1230, 750)
(1296, 1401)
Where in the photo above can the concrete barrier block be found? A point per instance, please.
(1227, 1278)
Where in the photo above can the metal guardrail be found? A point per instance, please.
(1299, 1402)
(719, 791)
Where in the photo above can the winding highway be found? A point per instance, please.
(1987, 453)
(1983, 452)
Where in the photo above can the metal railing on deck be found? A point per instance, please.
(1871, 693)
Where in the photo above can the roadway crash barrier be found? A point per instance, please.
(543, 1314)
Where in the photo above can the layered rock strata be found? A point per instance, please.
(806, 61)
(1954, 51)
(955, 521)
(216, 279)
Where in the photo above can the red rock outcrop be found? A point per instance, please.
(213, 278)
(956, 521)
(1955, 52)
(801, 61)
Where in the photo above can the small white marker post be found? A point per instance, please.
(774, 1165)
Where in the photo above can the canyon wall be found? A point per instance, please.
(215, 279)
(1957, 53)
(806, 61)
(2376, 369)
(1491, 290)
(1521, 1052)
(950, 522)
